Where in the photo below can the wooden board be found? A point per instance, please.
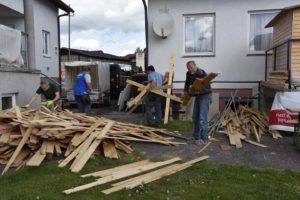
(170, 82)
(38, 157)
(110, 150)
(83, 160)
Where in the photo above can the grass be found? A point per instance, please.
(181, 126)
(202, 181)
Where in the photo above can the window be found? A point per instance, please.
(260, 38)
(46, 43)
(8, 101)
(199, 34)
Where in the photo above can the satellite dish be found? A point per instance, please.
(163, 25)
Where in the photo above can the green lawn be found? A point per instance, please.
(181, 126)
(202, 181)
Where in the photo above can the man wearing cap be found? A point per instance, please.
(82, 91)
(155, 79)
(202, 102)
(49, 91)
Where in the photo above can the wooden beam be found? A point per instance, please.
(121, 174)
(92, 148)
(108, 172)
(170, 82)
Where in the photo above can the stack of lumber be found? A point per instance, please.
(247, 124)
(134, 169)
(27, 137)
(277, 80)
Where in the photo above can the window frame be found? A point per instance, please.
(13, 99)
(199, 54)
(250, 52)
(44, 35)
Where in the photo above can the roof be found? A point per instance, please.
(62, 5)
(93, 54)
(282, 13)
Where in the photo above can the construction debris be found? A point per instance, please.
(129, 170)
(246, 124)
(30, 136)
(277, 80)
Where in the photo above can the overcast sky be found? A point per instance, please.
(114, 26)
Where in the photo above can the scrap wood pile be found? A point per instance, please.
(247, 124)
(277, 80)
(27, 137)
(134, 169)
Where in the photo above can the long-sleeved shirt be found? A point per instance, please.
(191, 77)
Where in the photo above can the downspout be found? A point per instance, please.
(146, 32)
(59, 57)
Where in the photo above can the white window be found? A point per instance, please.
(46, 43)
(260, 38)
(199, 34)
(8, 101)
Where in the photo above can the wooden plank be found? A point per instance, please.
(110, 171)
(255, 143)
(202, 149)
(255, 133)
(170, 82)
(174, 98)
(19, 148)
(121, 174)
(38, 157)
(81, 138)
(110, 150)
(120, 145)
(140, 96)
(152, 176)
(50, 147)
(86, 156)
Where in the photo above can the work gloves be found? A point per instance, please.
(49, 103)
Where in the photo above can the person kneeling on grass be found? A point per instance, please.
(202, 102)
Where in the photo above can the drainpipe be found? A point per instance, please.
(59, 57)
(146, 32)
(29, 29)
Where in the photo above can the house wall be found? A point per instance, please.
(16, 5)
(22, 84)
(231, 45)
(45, 17)
(295, 62)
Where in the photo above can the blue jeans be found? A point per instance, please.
(200, 116)
(153, 100)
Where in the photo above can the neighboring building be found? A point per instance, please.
(228, 37)
(37, 20)
(45, 31)
(84, 55)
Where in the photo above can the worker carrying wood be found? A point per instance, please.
(49, 91)
(82, 91)
(202, 102)
(155, 79)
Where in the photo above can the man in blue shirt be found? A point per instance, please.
(154, 100)
(82, 90)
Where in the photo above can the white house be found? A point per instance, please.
(225, 36)
(38, 22)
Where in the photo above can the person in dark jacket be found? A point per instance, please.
(202, 102)
(82, 90)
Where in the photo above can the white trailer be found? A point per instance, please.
(100, 77)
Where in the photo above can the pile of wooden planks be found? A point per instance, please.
(277, 80)
(27, 137)
(247, 124)
(134, 169)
